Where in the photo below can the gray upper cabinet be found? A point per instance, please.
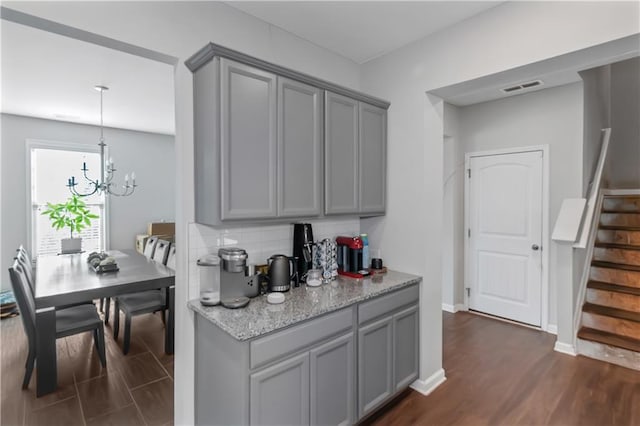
(341, 154)
(248, 141)
(299, 149)
(279, 395)
(355, 156)
(372, 163)
(272, 144)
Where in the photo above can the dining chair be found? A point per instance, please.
(133, 304)
(171, 259)
(69, 321)
(25, 260)
(154, 249)
(161, 252)
(150, 247)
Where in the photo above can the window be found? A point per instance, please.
(51, 166)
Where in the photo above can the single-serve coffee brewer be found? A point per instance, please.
(238, 281)
(303, 249)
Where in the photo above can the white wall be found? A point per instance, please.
(453, 211)
(596, 84)
(150, 155)
(179, 29)
(547, 117)
(625, 124)
(510, 35)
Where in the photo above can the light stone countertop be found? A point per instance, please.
(301, 303)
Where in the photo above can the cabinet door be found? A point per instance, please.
(341, 154)
(279, 394)
(375, 364)
(299, 149)
(332, 382)
(372, 161)
(406, 347)
(248, 142)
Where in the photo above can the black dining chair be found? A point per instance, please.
(25, 260)
(144, 302)
(150, 253)
(22, 256)
(133, 304)
(69, 321)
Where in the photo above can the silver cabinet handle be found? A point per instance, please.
(535, 247)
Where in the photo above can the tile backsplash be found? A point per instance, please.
(260, 242)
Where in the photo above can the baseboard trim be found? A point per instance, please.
(448, 308)
(427, 386)
(453, 308)
(565, 348)
(552, 329)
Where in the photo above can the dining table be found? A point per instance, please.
(68, 279)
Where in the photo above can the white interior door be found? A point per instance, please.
(505, 235)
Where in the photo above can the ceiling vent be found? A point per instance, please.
(522, 86)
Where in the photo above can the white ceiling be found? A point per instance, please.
(50, 76)
(359, 30)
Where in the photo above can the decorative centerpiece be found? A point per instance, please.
(73, 214)
(102, 262)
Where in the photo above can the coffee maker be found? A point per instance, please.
(238, 281)
(302, 248)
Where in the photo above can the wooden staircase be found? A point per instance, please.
(611, 311)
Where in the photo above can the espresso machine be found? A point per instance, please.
(302, 248)
(238, 280)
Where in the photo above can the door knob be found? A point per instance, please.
(535, 247)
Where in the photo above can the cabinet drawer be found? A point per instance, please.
(386, 304)
(270, 348)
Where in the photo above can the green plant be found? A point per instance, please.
(73, 214)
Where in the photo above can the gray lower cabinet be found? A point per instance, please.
(406, 351)
(323, 371)
(333, 382)
(247, 141)
(388, 347)
(279, 395)
(375, 364)
(316, 387)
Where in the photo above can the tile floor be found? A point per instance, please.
(136, 389)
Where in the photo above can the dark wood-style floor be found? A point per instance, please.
(136, 389)
(504, 374)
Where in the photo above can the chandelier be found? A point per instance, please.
(104, 185)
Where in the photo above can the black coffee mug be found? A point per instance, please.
(376, 263)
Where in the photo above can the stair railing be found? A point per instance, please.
(594, 191)
(590, 225)
(576, 228)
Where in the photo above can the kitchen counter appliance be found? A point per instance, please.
(302, 248)
(350, 257)
(280, 272)
(237, 279)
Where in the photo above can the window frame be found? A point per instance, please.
(59, 146)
